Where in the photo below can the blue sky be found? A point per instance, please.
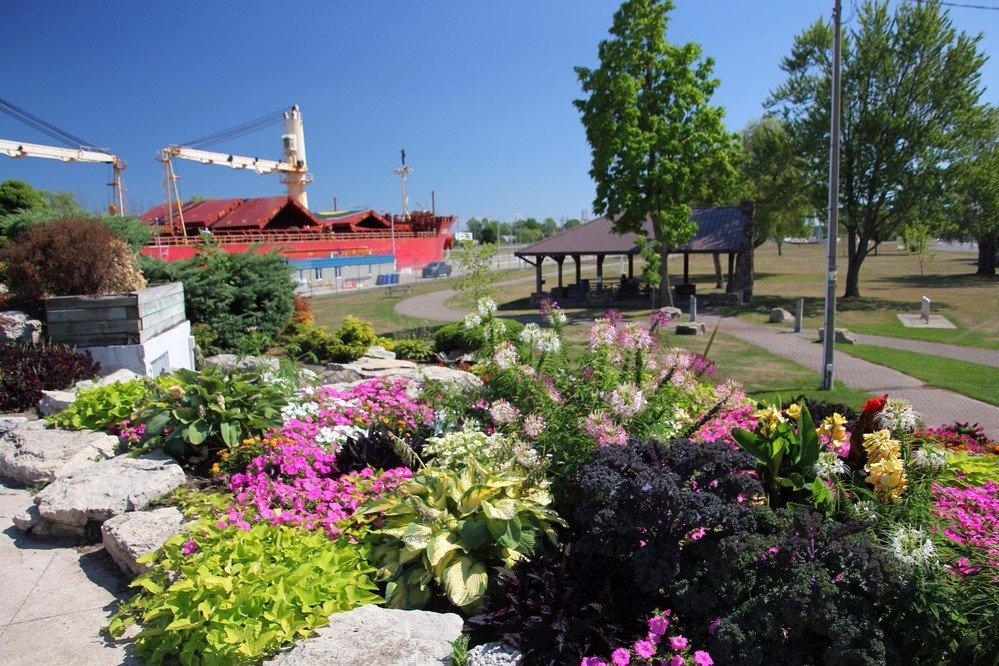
(479, 93)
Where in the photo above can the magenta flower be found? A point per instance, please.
(713, 627)
(658, 625)
(677, 643)
(621, 657)
(645, 649)
(592, 661)
(677, 660)
(189, 547)
(702, 658)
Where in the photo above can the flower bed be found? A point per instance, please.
(578, 492)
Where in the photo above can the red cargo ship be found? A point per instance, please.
(282, 223)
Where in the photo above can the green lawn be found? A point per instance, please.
(375, 306)
(971, 379)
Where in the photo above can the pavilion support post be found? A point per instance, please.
(719, 281)
(631, 267)
(600, 270)
(731, 271)
(537, 274)
(686, 268)
(579, 268)
(560, 260)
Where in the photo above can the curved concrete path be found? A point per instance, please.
(956, 352)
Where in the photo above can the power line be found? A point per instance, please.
(992, 8)
(239, 130)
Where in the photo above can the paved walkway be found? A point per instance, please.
(956, 352)
(54, 598)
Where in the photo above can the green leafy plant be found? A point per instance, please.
(26, 370)
(786, 452)
(232, 596)
(448, 527)
(305, 340)
(211, 410)
(98, 407)
(454, 337)
(413, 350)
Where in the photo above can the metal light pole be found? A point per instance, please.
(829, 336)
(403, 173)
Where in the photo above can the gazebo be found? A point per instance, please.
(720, 230)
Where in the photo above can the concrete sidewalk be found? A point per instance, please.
(55, 598)
(957, 352)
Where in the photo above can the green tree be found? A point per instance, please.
(62, 203)
(910, 82)
(487, 235)
(17, 196)
(657, 142)
(973, 204)
(774, 176)
(475, 264)
(549, 226)
(571, 223)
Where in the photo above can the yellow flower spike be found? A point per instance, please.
(793, 411)
(215, 469)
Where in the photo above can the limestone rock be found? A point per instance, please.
(377, 351)
(690, 328)
(243, 362)
(460, 379)
(494, 654)
(31, 453)
(781, 316)
(55, 401)
(122, 375)
(78, 503)
(8, 423)
(674, 313)
(129, 536)
(339, 375)
(367, 367)
(17, 327)
(371, 635)
(843, 336)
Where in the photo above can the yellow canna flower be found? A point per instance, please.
(888, 478)
(769, 418)
(880, 446)
(793, 411)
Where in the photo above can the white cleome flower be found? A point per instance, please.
(928, 459)
(829, 465)
(547, 342)
(898, 416)
(505, 356)
(486, 307)
(913, 549)
(472, 320)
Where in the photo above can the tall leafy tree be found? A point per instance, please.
(973, 204)
(910, 84)
(657, 143)
(17, 196)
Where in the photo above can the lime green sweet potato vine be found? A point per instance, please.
(228, 596)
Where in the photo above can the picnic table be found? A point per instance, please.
(397, 289)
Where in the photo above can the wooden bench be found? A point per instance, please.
(397, 289)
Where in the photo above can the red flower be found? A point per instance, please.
(875, 404)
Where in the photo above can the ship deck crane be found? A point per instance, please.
(77, 150)
(293, 168)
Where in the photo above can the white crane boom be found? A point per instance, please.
(232, 161)
(19, 149)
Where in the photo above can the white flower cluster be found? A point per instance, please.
(829, 465)
(496, 450)
(557, 318)
(865, 511)
(485, 307)
(626, 401)
(332, 438)
(928, 459)
(505, 355)
(913, 549)
(898, 416)
(472, 320)
(542, 340)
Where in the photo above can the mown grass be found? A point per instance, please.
(970, 379)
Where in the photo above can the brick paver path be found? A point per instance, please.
(957, 352)
(937, 406)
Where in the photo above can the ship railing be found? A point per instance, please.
(287, 237)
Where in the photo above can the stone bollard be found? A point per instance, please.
(924, 310)
(693, 308)
(799, 315)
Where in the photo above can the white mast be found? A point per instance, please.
(293, 142)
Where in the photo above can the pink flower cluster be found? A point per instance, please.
(960, 437)
(972, 519)
(606, 433)
(677, 648)
(293, 483)
(127, 431)
(719, 429)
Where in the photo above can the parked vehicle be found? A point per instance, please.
(436, 269)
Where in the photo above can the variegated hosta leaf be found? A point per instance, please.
(416, 536)
(440, 545)
(465, 581)
(472, 497)
(502, 509)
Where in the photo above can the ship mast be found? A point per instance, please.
(403, 172)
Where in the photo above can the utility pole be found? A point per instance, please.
(403, 173)
(829, 337)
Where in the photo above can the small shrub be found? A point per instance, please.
(302, 309)
(304, 340)
(235, 295)
(68, 256)
(413, 350)
(455, 337)
(210, 411)
(100, 406)
(233, 596)
(27, 370)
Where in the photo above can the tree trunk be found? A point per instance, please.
(858, 252)
(719, 281)
(987, 254)
(780, 248)
(665, 293)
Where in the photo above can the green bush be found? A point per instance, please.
(210, 411)
(304, 340)
(413, 350)
(98, 407)
(449, 527)
(235, 295)
(229, 596)
(132, 230)
(455, 337)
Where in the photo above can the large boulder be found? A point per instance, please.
(842, 336)
(494, 654)
(79, 503)
(243, 362)
(780, 316)
(459, 379)
(55, 401)
(18, 328)
(377, 351)
(367, 367)
(129, 536)
(372, 635)
(30, 453)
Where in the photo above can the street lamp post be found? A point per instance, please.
(403, 173)
(829, 336)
